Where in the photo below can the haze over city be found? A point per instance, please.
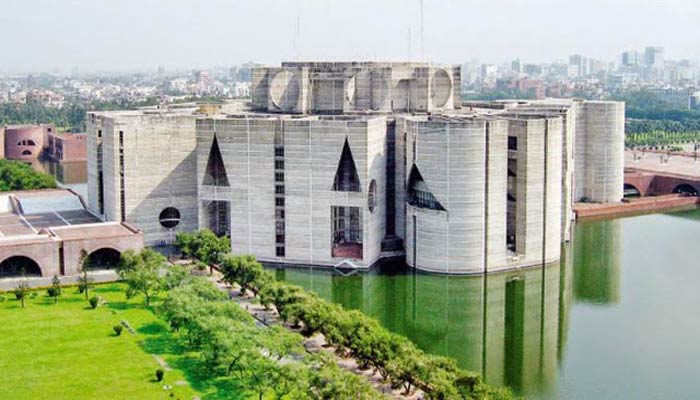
(44, 35)
(359, 199)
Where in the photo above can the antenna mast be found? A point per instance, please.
(422, 43)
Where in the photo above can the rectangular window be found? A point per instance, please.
(279, 189)
(280, 251)
(279, 151)
(279, 176)
(279, 201)
(122, 184)
(512, 143)
(279, 164)
(279, 214)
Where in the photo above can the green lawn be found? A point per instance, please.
(69, 351)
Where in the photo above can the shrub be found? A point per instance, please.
(94, 302)
(33, 295)
(160, 374)
(118, 329)
(52, 292)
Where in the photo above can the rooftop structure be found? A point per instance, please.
(342, 164)
(43, 232)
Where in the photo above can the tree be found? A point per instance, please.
(84, 280)
(141, 272)
(22, 290)
(330, 382)
(176, 276)
(16, 175)
(244, 270)
(55, 289)
(203, 245)
(406, 368)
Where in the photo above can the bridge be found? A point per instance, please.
(657, 174)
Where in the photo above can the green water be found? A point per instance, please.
(616, 319)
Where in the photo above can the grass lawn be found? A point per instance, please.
(69, 351)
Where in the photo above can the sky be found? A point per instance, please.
(102, 35)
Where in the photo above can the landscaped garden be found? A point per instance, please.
(178, 335)
(67, 350)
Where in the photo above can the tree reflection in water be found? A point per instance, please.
(510, 326)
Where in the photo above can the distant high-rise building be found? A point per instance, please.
(581, 64)
(654, 57)
(516, 66)
(630, 59)
(488, 70)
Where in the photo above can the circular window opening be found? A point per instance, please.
(169, 217)
(372, 195)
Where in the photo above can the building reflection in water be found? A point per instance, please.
(72, 175)
(511, 327)
(597, 262)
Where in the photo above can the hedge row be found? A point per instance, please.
(263, 361)
(356, 335)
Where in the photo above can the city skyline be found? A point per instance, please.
(89, 36)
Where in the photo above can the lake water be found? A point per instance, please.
(618, 318)
(71, 175)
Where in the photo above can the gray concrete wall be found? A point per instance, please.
(159, 170)
(343, 87)
(312, 150)
(604, 151)
(452, 158)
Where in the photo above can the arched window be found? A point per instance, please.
(18, 266)
(685, 189)
(630, 190)
(169, 217)
(104, 258)
(31, 143)
(26, 153)
(372, 195)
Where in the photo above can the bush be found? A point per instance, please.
(19, 295)
(52, 292)
(118, 329)
(94, 302)
(16, 175)
(33, 295)
(160, 374)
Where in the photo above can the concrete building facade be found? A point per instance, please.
(141, 170)
(342, 164)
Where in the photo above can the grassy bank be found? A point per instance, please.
(70, 351)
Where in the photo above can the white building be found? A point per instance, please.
(347, 163)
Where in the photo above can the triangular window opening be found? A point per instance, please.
(215, 174)
(346, 178)
(418, 193)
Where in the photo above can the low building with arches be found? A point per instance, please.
(43, 232)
